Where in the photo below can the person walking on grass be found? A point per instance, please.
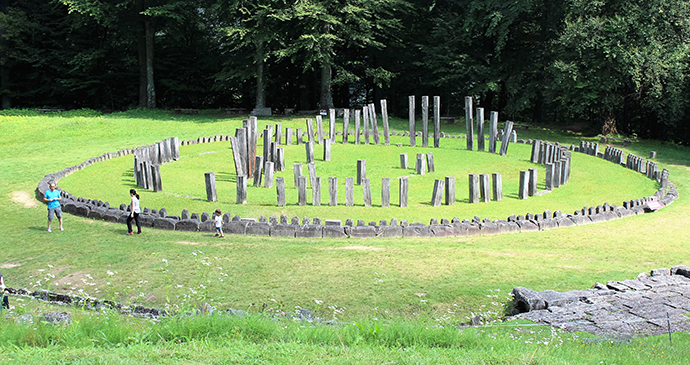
(134, 212)
(218, 223)
(5, 300)
(52, 196)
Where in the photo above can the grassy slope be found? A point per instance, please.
(455, 273)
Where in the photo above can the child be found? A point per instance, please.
(218, 222)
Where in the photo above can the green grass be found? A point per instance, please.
(394, 280)
(112, 339)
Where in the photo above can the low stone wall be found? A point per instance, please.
(315, 228)
(87, 302)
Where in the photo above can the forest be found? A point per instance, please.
(613, 66)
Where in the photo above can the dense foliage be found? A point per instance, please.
(614, 66)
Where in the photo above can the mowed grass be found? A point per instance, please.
(389, 279)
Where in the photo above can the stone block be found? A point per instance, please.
(207, 226)
(363, 232)
(490, 228)
(528, 226)
(392, 231)
(164, 223)
(442, 231)
(416, 230)
(310, 231)
(235, 227)
(508, 227)
(258, 229)
(189, 225)
(333, 231)
(283, 230)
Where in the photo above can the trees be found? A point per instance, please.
(116, 14)
(624, 62)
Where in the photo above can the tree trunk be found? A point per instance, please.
(608, 125)
(150, 86)
(141, 47)
(260, 85)
(4, 70)
(326, 99)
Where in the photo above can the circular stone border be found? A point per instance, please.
(316, 228)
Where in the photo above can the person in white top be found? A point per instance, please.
(218, 223)
(134, 212)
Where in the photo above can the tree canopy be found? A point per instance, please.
(615, 66)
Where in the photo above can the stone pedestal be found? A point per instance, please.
(523, 193)
(493, 131)
(484, 188)
(411, 115)
(437, 122)
(280, 191)
(316, 191)
(450, 190)
(302, 190)
(425, 121)
(532, 190)
(469, 123)
(268, 175)
(404, 191)
(366, 189)
(474, 188)
(242, 189)
(386, 192)
(349, 191)
(420, 166)
(361, 171)
(437, 195)
(497, 182)
(480, 129)
(210, 178)
(258, 170)
(333, 191)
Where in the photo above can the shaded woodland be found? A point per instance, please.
(614, 66)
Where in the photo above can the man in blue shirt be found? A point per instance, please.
(53, 198)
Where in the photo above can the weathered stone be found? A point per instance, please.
(363, 232)
(403, 161)
(280, 191)
(425, 121)
(416, 230)
(366, 191)
(349, 191)
(258, 229)
(437, 195)
(302, 190)
(310, 231)
(469, 123)
(164, 223)
(473, 188)
(316, 191)
(334, 231)
(404, 191)
(283, 230)
(532, 185)
(420, 167)
(385, 191)
(449, 194)
(412, 122)
(361, 171)
(189, 225)
(242, 189)
(524, 185)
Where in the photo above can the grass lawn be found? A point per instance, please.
(392, 280)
